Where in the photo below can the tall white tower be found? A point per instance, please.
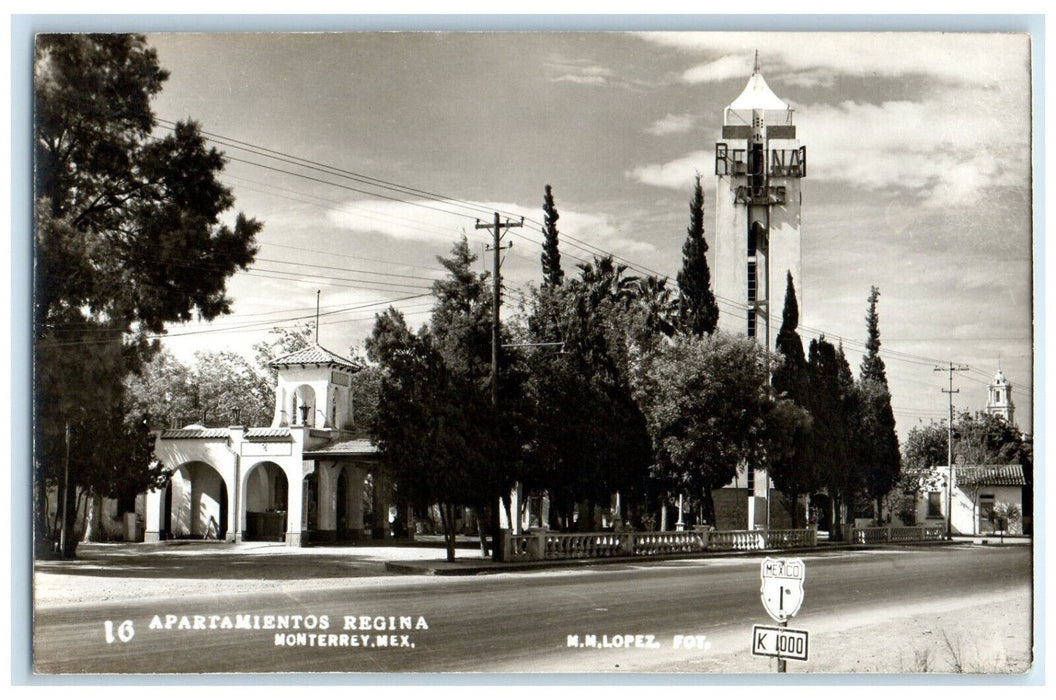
(759, 164)
(999, 401)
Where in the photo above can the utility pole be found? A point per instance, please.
(496, 228)
(496, 301)
(317, 293)
(949, 445)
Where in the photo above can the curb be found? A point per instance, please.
(445, 568)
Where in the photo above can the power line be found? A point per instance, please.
(465, 205)
(334, 170)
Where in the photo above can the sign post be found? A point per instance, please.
(782, 595)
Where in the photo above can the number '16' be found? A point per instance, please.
(125, 631)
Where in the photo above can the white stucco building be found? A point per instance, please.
(306, 477)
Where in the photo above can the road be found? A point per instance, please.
(698, 613)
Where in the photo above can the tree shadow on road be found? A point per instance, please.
(207, 561)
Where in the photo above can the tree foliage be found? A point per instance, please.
(872, 368)
(978, 439)
(551, 257)
(436, 424)
(130, 234)
(590, 438)
(879, 449)
(698, 310)
(834, 407)
(795, 473)
(430, 422)
(709, 410)
(219, 388)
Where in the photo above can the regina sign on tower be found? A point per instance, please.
(782, 589)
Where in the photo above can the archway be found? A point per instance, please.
(266, 503)
(196, 503)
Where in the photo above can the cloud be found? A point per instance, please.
(580, 72)
(959, 59)
(944, 150)
(724, 68)
(672, 124)
(581, 79)
(421, 221)
(677, 174)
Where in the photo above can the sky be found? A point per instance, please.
(368, 155)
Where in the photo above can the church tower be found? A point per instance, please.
(759, 164)
(999, 401)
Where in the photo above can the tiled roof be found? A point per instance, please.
(194, 434)
(268, 435)
(991, 475)
(347, 448)
(314, 355)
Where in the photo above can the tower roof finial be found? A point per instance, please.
(756, 69)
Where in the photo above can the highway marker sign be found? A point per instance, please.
(782, 589)
(782, 642)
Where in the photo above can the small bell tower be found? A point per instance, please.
(999, 401)
(314, 389)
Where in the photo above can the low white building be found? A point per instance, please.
(979, 491)
(306, 477)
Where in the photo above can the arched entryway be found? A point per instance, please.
(196, 503)
(266, 503)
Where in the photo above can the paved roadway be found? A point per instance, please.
(522, 622)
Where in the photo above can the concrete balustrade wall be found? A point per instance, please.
(540, 544)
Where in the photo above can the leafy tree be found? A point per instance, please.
(129, 236)
(658, 311)
(428, 423)
(834, 407)
(461, 318)
(435, 419)
(590, 438)
(699, 311)
(219, 388)
(978, 439)
(282, 341)
(366, 395)
(709, 408)
(796, 473)
(879, 449)
(551, 258)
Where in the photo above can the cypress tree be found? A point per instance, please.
(872, 366)
(880, 454)
(795, 473)
(699, 314)
(791, 377)
(553, 275)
